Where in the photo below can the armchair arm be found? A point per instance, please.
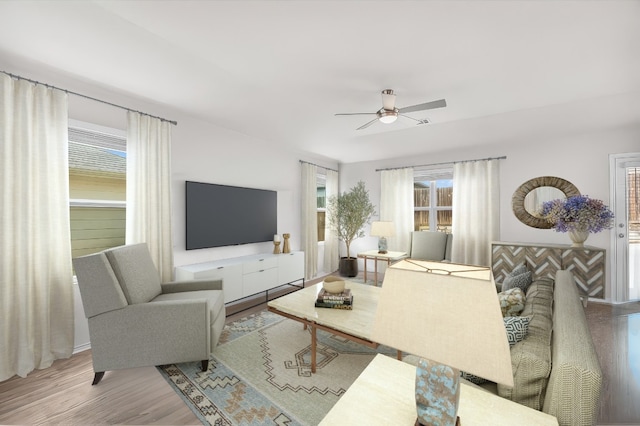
(152, 333)
(192, 285)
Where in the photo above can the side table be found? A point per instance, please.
(384, 394)
(389, 257)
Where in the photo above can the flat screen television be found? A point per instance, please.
(221, 215)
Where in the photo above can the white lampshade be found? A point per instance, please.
(382, 229)
(445, 312)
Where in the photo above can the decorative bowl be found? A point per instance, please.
(333, 285)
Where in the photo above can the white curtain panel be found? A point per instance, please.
(476, 211)
(396, 205)
(331, 242)
(36, 279)
(309, 220)
(149, 189)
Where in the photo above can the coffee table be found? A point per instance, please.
(355, 324)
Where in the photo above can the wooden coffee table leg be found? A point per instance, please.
(313, 348)
(400, 355)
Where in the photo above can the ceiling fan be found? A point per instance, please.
(389, 113)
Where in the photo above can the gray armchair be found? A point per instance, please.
(135, 320)
(428, 245)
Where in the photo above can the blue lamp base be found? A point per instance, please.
(437, 394)
(382, 245)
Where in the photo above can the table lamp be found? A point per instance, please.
(449, 315)
(382, 230)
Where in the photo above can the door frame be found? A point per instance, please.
(618, 260)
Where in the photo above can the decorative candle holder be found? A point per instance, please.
(285, 247)
(276, 247)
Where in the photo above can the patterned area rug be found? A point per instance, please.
(260, 374)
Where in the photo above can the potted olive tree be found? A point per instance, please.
(347, 214)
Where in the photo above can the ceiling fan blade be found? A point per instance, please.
(414, 119)
(356, 113)
(421, 107)
(364, 126)
(423, 121)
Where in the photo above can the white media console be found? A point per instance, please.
(248, 275)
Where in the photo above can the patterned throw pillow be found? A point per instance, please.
(517, 328)
(522, 281)
(520, 269)
(511, 302)
(473, 379)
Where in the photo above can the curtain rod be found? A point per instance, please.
(175, 123)
(447, 162)
(317, 165)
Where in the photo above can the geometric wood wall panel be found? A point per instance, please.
(587, 265)
(504, 258)
(588, 268)
(544, 262)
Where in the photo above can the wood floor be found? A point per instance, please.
(62, 394)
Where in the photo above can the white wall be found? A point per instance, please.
(577, 154)
(201, 151)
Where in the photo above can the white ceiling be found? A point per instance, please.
(279, 70)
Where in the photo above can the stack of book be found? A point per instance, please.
(342, 300)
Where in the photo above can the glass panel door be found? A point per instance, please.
(626, 233)
(633, 230)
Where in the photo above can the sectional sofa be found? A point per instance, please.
(555, 367)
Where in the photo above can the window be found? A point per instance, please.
(322, 204)
(97, 188)
(433, 197)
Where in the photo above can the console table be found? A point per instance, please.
(384, 394)
(587, 264)
(248, 275)
(389, 257)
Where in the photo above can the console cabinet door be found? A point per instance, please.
(290, 267)
(231, 282)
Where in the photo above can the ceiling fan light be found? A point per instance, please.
(388, 119)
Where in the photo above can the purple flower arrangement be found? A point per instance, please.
(578, 213)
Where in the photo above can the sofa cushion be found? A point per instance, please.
(516, 329)
(539, 306)
(511, 302)
(531, 357)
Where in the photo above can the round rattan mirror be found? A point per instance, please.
(529, 196)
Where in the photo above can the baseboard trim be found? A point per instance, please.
(81, 348)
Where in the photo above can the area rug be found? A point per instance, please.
(260, 374)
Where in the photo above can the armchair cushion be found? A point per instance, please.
(136, 272)
(427, 245)
(192, 285)
(99, 286)
(146, 334)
